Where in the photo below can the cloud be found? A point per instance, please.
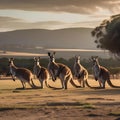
(74, 6)
(9, 23)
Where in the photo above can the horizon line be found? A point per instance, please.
(10, 30)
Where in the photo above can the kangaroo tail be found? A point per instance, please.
(111, 85)
(47, 85)
(73, 84)
(32, 84)
(86, 82)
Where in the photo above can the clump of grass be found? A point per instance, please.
(88, 106)
(48, 105)
(71, 104)
(12, 107)
(64, 104)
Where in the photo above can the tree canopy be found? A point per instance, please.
(107, 34)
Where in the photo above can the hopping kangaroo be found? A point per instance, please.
(80, 72)
(101, 74)
(61, 71)
(41, 73)
(23, 74)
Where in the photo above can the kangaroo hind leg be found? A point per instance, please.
(32, 84)
(83, 83)
(23, 84)
(66, 82)
(103, 84)
(41, 82)
(63, 83)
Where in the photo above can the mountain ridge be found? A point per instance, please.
(41, 40)
(48, 38)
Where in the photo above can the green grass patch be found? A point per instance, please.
(88, 106)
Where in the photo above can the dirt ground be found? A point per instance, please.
(57, 104)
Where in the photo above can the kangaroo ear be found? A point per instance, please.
(97, 57)
(54, 53)
(91, 59)
(49, 53)
(34, 58)
(11, 58)
(38, 58)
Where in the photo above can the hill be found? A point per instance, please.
(40, 40)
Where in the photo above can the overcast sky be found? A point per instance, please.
(55, 14)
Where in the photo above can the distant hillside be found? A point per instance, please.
(38, 40)
(63, 38)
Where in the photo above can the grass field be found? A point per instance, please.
(73, 103)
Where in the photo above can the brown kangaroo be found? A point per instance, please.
(61, 71)
(101, 74)
(23, 74)
(80, 72)
(41, 72)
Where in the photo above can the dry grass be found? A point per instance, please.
(74, 103)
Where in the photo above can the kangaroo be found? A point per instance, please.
(80, 72)
(41, 72)
(23, 74)
(61, 71)
(101, 74)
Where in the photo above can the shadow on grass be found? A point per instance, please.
(64, 104)
(8, 108)
(94, 115)
(111, 91)
(114, 114)
(18, 90)
(117, 118)
(72, 104)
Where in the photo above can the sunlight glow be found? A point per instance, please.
(102, 11)
(33, 16)
(79, 50)
(60, 19)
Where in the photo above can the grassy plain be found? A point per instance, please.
(57, 104)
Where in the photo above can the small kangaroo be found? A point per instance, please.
(80, 72)
(41, 72)
(101, 74)
(23, 74)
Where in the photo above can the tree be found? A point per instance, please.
(107, 35)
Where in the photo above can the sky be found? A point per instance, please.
(55, 14)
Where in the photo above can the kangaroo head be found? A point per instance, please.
(11, 62)
(52, 56)
(94, 60)
(36, 60)
(77, 59)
